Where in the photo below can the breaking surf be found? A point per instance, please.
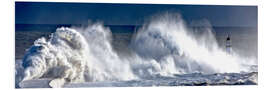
(163, 47)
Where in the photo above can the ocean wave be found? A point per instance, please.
(164, 46)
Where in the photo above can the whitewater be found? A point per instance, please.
(163, 50)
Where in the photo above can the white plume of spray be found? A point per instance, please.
(164, 46)
(62, 56)
(166, 38)
(76, 55)
(104, 63)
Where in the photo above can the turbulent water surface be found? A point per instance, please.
(163, 52)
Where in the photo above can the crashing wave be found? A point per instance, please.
(68, 55)
(166, 38)
(163, 46)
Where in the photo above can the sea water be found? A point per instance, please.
(164, 51)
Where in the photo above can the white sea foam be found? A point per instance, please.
(84, 54)
(166, 38)
(164, 46)
(62, 56)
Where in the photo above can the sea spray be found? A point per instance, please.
(104, 64)
(163, 46)
(167, 37)
(76, 55)
(62, 56)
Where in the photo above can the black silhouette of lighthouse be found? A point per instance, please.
(228, 44)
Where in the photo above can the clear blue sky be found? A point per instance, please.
(129, 14)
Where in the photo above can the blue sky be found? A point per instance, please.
(129, 14)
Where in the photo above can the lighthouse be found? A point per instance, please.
(228, 44)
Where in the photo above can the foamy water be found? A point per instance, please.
(163, 46)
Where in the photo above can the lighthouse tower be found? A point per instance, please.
(228, 44)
